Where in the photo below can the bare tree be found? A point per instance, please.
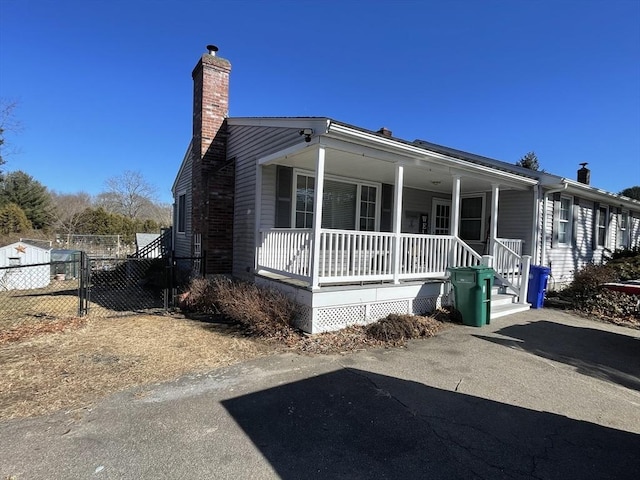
(8, 123)
(68, 208)
(128, 194)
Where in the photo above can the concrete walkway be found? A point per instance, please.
(540, 394)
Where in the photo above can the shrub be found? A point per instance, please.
(398, 328)
(609, 304)
(262, 312)
(586, 282)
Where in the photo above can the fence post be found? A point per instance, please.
(524, 278)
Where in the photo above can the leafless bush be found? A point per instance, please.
(262, 312)
(397, 329)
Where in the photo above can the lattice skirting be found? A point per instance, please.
(325, 319)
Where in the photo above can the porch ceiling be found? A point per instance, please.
(370, 165)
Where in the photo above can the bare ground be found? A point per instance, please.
(54, 364)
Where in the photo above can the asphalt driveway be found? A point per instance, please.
(541, 394)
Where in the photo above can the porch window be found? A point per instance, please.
(346, 205)
(564, 221)
(305, 186)
(602, 226)
(182, 213)
(472, 218)
(368, 208)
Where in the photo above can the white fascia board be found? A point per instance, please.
(319, 125)
(184, 160)
(419, 154)
(594, 193)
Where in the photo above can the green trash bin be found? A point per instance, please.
(472, 292)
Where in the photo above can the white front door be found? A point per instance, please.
(441, 216)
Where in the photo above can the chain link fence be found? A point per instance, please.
(98, 287)
(38, 291)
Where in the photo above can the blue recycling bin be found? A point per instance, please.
(538, 279)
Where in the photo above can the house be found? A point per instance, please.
(356, 224)
(24, 266)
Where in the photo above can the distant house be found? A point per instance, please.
(24, 266)
(356, 224)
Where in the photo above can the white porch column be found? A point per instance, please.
(397, 221)
(257, 211)
(455, 207)
(493, 231)
(317, 218)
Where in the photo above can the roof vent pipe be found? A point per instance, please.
(584, 174)
(212, 50)
(385, 132)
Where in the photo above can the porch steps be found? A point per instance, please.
(503, 304)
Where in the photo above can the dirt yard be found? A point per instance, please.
(53, 365)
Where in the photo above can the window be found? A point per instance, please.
(182, 213)
(564, 221)
(305, 187)
(623, 229)
(602, 226)
(441, 216)
(346, 205)
(472, 218)
(14, 261)
(368, 208)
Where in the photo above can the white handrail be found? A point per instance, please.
(356, 256)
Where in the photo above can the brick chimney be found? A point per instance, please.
(213, 177)
(584, 174)
(385, 132)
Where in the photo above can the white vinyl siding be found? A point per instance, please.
(247, 144)
(515, 217)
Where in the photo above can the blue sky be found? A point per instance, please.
(105, 86)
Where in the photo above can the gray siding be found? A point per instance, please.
(515, 216)
(564, 260)
(247, 144)
(414, 202)
(183, 241)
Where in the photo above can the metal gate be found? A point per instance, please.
(111, 287)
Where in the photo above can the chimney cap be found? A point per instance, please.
(212, 49)
(584, 164)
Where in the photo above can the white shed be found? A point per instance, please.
(24, 266)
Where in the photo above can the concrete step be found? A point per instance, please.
(503, 310)
(498, 299)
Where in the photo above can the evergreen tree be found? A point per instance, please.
(13, 220)
(631, 192)
(30, 195)
(530, 161)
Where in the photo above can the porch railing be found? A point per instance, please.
(286, 251)
(348, 255)
(513, 244)
(512, 268)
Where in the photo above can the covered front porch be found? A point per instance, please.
(352, 208)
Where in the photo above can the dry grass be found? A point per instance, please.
(50, 364)
(55, 371)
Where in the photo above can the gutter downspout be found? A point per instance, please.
(561, 188)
